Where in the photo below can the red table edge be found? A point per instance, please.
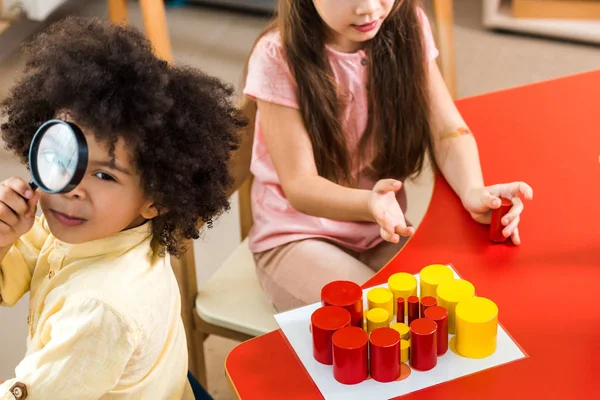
(231, 384)
(291, 349)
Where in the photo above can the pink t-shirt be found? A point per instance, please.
(276, 222)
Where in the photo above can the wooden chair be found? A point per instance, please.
(232, 304)
(444, 27)
(155, 23)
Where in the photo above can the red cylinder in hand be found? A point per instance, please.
(400, 308)
(384, 350)
(347, 295)
(426, 302)
(324, 322)
(496, 226)
(423, 344)
(413, 308)
(440, 316)
(350, 355)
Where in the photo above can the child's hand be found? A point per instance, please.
(18, 205)
(387, 212)
(481, 201)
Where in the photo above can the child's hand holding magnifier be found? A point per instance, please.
(58, 159)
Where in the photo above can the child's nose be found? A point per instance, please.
(78, 193)
(366, 7)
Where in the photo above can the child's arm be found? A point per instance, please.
(19, 243)
(458, 159)
(456, 155)
(86, 347)
(292, 156)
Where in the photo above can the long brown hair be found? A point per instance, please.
(398, 128)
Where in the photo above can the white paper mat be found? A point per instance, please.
(295, 325)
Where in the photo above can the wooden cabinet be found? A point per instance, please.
(498, 14)
(558, 9)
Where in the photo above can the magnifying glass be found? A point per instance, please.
(58, 157)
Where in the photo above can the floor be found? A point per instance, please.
(218, 41)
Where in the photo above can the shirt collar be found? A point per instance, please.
(117, 243)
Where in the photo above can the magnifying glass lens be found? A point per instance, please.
(57, 157)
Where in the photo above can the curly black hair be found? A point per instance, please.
(179, 124)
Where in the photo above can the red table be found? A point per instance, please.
(547, 290)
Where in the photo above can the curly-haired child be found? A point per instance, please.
(104, 319)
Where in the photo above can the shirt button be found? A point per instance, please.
(51, 275)
(28, 319)
(364, 62)
(19, 390)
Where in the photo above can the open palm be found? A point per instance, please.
(387, 212)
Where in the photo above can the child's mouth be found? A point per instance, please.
(67, 220)
(366, 27)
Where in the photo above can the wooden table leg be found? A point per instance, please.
(155, 25)
(117, 11)
(444, 21)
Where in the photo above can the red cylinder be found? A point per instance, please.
(496, 226)
(325, 321)
(400, 312)
(426, 302)
(347, 295)
(350, 355)
(384, 350)
(413, 308)
(440, 316)
(423, 344)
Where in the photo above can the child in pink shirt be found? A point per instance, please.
(349, 102)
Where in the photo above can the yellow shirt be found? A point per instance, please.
(104, 318)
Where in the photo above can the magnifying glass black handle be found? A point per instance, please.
(33, 185)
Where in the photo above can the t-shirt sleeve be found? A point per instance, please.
(269, 77)
(431, 51)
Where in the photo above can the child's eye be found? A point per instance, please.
(104, 176)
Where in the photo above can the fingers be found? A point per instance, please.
(513, 189)
(12, 200)
(515, 237)
(8, 216)
(20, 186)
(33, 204)
(404, 230)
(389, 237)
(490, 201)
(507, 231)
(514, 212)
(387, 185)
(524, 189)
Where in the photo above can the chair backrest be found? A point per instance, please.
(184, 267)
(241, 167)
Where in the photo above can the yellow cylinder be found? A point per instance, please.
(449, 294)
(476, 327)
(377, 318)
(431, 276)
(381, 298)
(402, 329)
(404, 350)
(403, 285)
